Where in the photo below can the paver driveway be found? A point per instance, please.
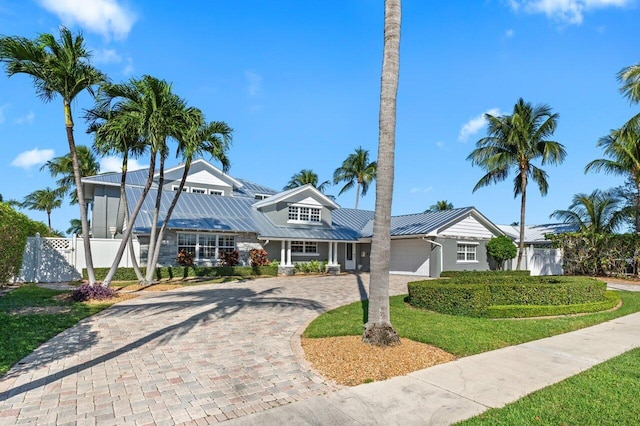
(200, 354)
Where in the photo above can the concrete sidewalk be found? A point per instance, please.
(455, 391)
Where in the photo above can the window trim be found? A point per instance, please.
(466, 252)
(304, 248)
(195, 188)
(310, 214)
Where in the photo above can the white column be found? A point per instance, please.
(335, 253)
(330, 260)
(289, 254)
(282, 253)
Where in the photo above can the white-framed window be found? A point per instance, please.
(184, 188)
(195, 190)
(215, 192)
(304, 248)
(205, 246)
(261, 196)
(467, 252)
(304, 214)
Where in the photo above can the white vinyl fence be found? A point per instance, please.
(62, 259)
(541, 261)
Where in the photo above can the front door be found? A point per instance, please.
(350, 257)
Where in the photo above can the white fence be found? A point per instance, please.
(62, 259)
(541, 261)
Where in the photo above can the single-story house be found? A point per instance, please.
(217, 213)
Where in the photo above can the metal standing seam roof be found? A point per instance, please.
(134, 178)
(419, 223)
(536, 233)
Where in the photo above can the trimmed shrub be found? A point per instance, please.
(258, 257)
(96, 292)
(501, 248)
(127, 274)
(229, 258)
(474, 297)
(497, 274)
(15, 227)
(611, 300)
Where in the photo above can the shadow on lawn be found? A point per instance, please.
(210, 304)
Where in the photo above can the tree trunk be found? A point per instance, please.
(153, 240)
(126, 235)
(378, 329)
(91, 276)
(176, 196)
(523, 203)
(357, 194)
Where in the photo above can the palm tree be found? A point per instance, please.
(600, 212)
(63, 167)
(440, 206)
(57, 68)
(514, 142)
(304, 177)
(155, 112)
(44, 200)
(629, 77)
(623, 150)
(75, 227)
(356, 170)
(378, 329)
(195, 139)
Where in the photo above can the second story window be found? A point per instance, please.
(304, 214)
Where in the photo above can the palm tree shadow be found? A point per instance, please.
(364, 299)
(216, 304)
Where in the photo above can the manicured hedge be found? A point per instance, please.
(127, 274)
(611, 300)
(15, 227)
(456, 297)
(458, 274)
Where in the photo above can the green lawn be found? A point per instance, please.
(459, 335)
(21, 333)
(606, 394)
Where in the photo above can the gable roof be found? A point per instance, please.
(285, 195)
(199, 167)
(536, 233)
(430, 222)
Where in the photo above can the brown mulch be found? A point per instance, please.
(348, 361)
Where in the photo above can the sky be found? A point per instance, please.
(299, 83)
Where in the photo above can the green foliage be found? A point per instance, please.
(21, 333)
(15, 227)
(474, 296)
(485, 274)
(311, 267)
(128, 274)
(501, 248)
(586, 253)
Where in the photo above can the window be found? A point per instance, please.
(184, 188)
(466, 252)
(261, 196)
(198, 190)
(215, 192)
(206, 246)
(304, 214)
(304, 247)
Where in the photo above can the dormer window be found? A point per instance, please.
(216, 192)
(176, 187)
(304, 214)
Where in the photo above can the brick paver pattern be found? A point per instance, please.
(197, 355)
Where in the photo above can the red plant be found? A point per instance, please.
(229, 258)
(258, 257)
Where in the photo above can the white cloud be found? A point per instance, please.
(2, 109)
(476, 124)
(128, 69)
(114, 164)
(27, 119)
(440, 144)
(509, 33)
(566, 11)
(416, 189)
(254, 83)
(106, 56)
(34, 157)
(105, 17)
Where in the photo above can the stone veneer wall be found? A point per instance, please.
(169, 249)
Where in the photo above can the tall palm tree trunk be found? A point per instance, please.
(523, 204)
(357, 194)
(125, 203)
(153, 238)
(91, 276)
(176, 196)
(378, 329)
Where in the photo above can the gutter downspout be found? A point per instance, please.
(441, 252)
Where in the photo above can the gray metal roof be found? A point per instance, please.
(135, 178)
(536, 233)
(251, 189)
(420, 223)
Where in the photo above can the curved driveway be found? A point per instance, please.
(199, 354)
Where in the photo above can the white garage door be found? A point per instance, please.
(410, 257)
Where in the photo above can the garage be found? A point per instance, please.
(410, 257)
